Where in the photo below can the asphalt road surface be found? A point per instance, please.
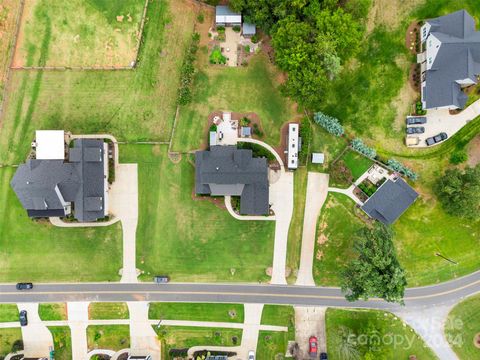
(445, 293)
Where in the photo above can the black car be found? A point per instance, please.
(24, 286)
(415, 130)
(436, 139)
(323, 356)
(23, 318)
(416, 120)
(161, 279)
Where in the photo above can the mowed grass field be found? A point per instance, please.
(81, 33)
(8, 337)
(111, 337)
(187, 239)
(371, 334)
(62, 342)
(132, 105)
(37, 251)
(196, 311)
(242, 89)
(462, 326)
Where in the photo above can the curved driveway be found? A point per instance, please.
(446, 293)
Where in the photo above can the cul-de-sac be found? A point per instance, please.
(239, 179)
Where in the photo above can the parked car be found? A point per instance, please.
(416, 120)
(23, 318)
(415, 130)
(161, 279)
(323, 356)
(24, 286)
(251, 355)
(312, 346)
(436, 139)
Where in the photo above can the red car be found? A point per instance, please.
(313, 346)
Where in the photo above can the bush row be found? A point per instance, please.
(188, 71)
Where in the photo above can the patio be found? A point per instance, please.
(227, 129)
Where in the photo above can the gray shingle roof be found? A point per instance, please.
(81, 182)
(390, 201)
(226, 170)
(458, 58)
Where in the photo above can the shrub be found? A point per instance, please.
(236, 28)
(399, 167)
(306, 135)
(201, 18)
(213, 127)
(358, 145)
(257, 131)
(255, 38)
(331, 124)
(220, 29)
(247, 48)
(419, 109)
(216, 57)
(257, 150)
(187, 71)
(245, 121)
(458, 157)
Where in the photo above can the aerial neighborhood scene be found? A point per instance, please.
(239, 179)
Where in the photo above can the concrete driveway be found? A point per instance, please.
(78, 321)
(37, 339)
(143, 339)
(310, 321)
(124, 205)
(317, 191)
(440, 120)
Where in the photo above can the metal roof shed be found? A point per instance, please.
(318, 158)
(249, 29)
(226, 16)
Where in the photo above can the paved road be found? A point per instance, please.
(445, 293)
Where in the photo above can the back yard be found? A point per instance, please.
(242, 89)
(79, 33)
(132, 104)
(187, 238)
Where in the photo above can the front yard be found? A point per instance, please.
(110, 337)
(187, 238)
(196, 311)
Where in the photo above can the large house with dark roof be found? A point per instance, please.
(226, 170)
(450, 61)
(390, 201)
(60, 187)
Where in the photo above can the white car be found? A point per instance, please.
(251, 355)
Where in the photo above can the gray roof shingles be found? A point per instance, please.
(390, 201)
(458, 58)
(81, 182)
(231, 170)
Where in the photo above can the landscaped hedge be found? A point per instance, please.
(399, 167)
(331, 124)
(187, 71)
(358, 145)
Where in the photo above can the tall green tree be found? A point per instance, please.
(459, 192)
(376, 271)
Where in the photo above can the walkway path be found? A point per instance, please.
(78, 322)
(228, 205)
(143, 339)
(348, 192)
(124, 205)
(37, 339)
(317, 191)
(429, 323)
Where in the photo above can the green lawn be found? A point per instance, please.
(62, 342)
(59, 254)
(180, 337)
(10, 339)
(271, 343)
(357, 163)
(191, 240)
(323, 142)
(8, 312)
(296, 225)
(365, 327)
(462, 326)
(108, 311)
(196, 312)
(334, 243)
(242, 89)
(53, 311)
(111, 337)
(83, 33)
(135, 104)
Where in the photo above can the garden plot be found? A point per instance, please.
(91, 33)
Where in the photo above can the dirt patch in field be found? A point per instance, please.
(389, 13)
(473, 152)
(402, 104)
